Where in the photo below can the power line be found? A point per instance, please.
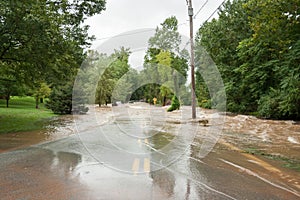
(201, 9)
(214, 12)
(125, 34)
(134, 33)
(144, 31)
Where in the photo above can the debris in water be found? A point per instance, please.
(292, 140)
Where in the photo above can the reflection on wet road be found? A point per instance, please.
(141, 152)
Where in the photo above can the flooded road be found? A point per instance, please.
(141, 152)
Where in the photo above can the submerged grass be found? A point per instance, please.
(22, 115)
(287, 162)
(161, 139)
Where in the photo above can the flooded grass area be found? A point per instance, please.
(51, 129)
(292, 163)
(276, 140)
(161, 139)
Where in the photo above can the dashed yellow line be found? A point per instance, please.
(146, 165)
(136, 165)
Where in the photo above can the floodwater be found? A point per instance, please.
(138, 151)
(57, 128)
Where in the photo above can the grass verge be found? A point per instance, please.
(22, 115)
(286, 162)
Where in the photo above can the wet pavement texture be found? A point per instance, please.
(138, 151)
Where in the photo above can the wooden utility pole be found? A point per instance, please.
(192, 61)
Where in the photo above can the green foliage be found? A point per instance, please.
(175, 105)
(60, 100)
(165, 64)
(167, 37)
(269, 105)
(109, 78)
(41, 92)
(255, 44)
(43, 41)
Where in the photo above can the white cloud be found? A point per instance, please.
(127, 15)
(123, 16)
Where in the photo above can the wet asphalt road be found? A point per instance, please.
(138, 152)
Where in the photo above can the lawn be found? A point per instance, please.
(22, 115)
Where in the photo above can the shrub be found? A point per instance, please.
(60, 101)
(175, 105)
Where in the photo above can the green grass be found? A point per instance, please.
(22, 115)
(286, 162)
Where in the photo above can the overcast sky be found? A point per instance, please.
(123, 16)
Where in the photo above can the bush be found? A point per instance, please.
(60, 101)
(268, 105)
(175, 105)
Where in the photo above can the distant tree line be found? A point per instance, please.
(106, 79)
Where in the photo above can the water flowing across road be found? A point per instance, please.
(137, 151)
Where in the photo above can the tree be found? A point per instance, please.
(41, 91)
(9, 85)
(60, 99)
(111, 75)
(7, 88)
(167, 37)
(221, 38)
(255, 45)
(43, 41)
(165, 63)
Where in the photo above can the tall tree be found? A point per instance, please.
(112, 74)
(43, 37)
(255, 45)
(164, 58)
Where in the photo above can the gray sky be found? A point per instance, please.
(123, 16)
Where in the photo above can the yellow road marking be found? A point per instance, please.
(146, 141)
(146, 165)
(136, 165)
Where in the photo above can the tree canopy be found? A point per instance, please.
(44, 41)
(255, 44)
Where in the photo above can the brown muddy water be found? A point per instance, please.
(56, 128)
(267, 150)
(278, 140)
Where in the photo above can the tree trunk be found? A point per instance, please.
(7, 100)
(164, 101)
(37, 103)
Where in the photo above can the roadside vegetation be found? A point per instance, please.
(22, 115)
(254, 43)
(256, 46)
(163, 77)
